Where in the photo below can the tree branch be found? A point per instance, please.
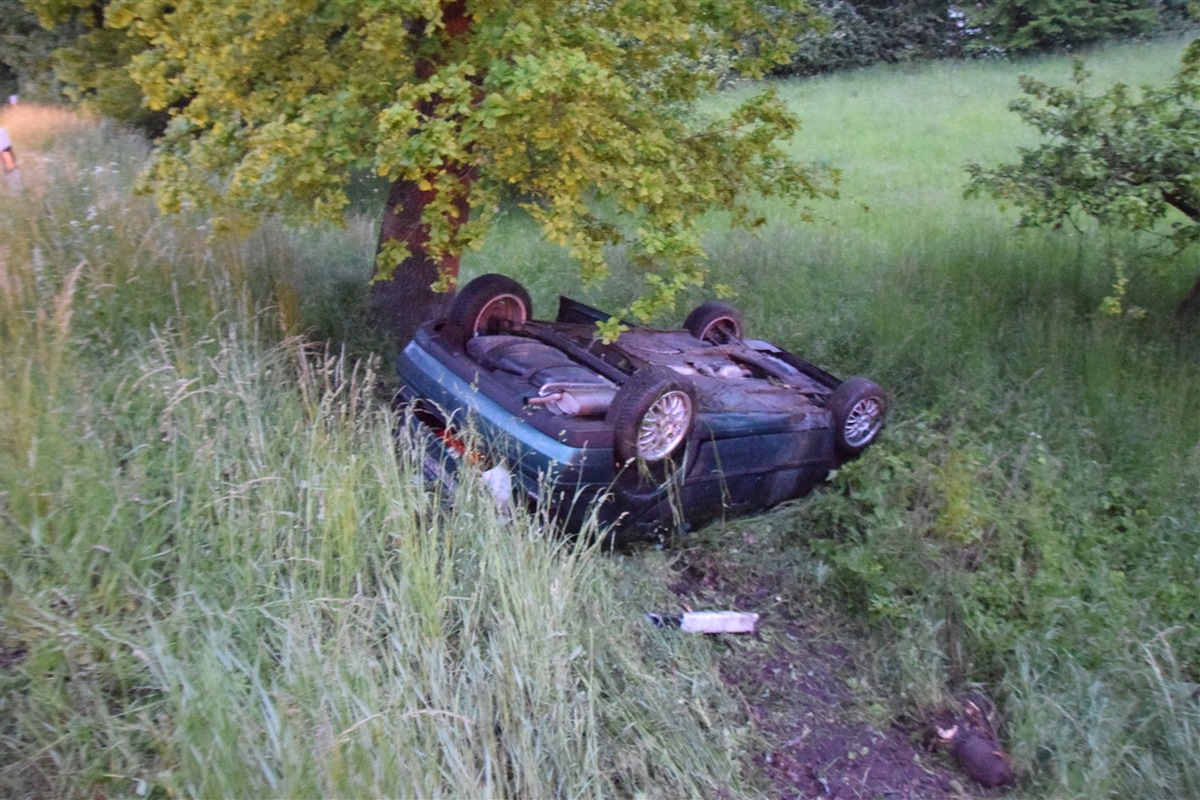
(1178, 201)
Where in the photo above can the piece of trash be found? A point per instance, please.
(498, 480)
(978, 755)
(706, 621)
(971, 739)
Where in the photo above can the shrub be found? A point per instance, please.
(1021, 26)
(852, 35)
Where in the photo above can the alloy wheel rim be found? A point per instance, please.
(664, 425)
(862, 423)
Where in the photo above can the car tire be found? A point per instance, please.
(652, 415)
(489, 304)
(859, 408)
(715, 322)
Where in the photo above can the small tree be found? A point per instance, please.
(585, 110)
(1123, 159)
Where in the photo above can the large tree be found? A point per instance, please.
(582, 110)
(1125, 158)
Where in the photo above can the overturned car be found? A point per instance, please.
(657, 431)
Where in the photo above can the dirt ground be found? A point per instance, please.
(818, 737)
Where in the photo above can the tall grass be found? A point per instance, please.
(220, 574)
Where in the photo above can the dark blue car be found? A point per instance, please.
(657, 431)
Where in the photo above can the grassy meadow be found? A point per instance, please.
(220, 576)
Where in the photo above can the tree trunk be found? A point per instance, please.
(400, 305)
(1187, 316)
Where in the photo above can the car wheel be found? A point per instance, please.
(859, 407)
(715, 322)
(490, 303)
(651, 416)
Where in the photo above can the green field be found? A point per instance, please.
(219, 577)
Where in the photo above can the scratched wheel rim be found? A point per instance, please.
(664, 425)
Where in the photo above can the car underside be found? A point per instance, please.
(657, 431)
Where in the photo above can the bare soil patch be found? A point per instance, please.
(818, 734)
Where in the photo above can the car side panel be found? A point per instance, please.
(744, 474)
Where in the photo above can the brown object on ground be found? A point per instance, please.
(979, 755)
(973, 743)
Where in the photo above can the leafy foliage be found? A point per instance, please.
(95, 70)
(26, 53)
(586, 109)
(1021, 26)
(64, 50)
(983, 535)
(857, 34)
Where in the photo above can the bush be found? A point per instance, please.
(1022, 26)
(852, 35)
